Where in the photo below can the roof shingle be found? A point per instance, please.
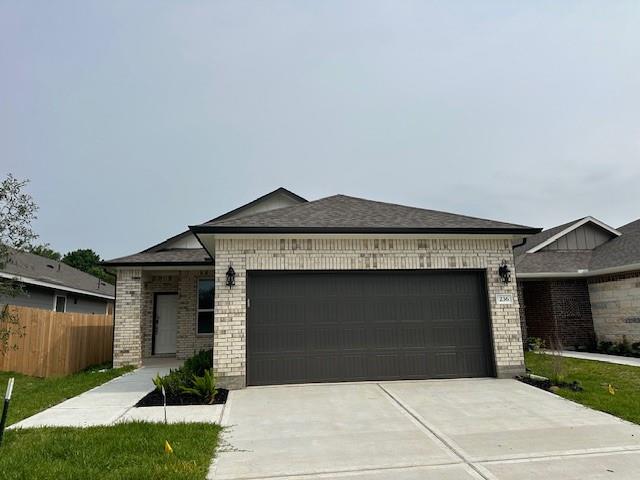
(43, 269)
(344, 213)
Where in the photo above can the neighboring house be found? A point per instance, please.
(52, 285)
(580, 283)
(337, 289)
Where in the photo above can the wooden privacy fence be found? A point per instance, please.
(57, 343)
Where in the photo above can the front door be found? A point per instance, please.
(165, 323)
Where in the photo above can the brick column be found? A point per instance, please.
(127, 334)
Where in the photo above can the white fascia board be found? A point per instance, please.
(580, 273)
(40, 283)
(570, 228)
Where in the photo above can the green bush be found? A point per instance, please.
(203, 387)
(172, 382)
(199, 363)
(534, 344)
(195, 377)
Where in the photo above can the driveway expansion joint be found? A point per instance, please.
(447, 444)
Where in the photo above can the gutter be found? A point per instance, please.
(365, 230)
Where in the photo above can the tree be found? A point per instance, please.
(88, 261)
(46, 251)
(17, 211)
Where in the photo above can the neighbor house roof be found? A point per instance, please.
(620, 253)
(36, 270)
(344, 214)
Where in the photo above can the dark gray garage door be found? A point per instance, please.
(350, 326)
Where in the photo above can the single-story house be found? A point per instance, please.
(53, 285)
(287, 290)
(579, 283)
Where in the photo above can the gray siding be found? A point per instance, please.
(34, 297)
(586, 237)
(82, 304)
(42, 297)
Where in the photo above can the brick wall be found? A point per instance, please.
(136, 289)
(355, 254)
(615, 302)
(558, 310)
(127, 333)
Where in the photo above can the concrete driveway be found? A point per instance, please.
(445, 430)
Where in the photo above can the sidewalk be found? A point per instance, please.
(600, 357)
(104, 404)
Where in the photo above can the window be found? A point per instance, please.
(205, 306)
(61, 303)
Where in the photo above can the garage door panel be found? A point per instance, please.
(339, 326)
(278, 339)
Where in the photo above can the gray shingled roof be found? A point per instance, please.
(44, 269)
(178, 256)
(349, 214)
(617, 252)
(553, 261)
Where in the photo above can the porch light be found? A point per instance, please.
(504, 272)
(231, 277)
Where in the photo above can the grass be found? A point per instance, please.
(31, 394)
(595, 378)
(129, 451)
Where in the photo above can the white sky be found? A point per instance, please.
(135, 119)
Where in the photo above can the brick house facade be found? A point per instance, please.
(437, 242)
(579, 283)
(559, 312)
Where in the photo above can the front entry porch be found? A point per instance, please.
(162, 314)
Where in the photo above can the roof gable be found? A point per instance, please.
(279, 198)
(564, 236)
(345, 214)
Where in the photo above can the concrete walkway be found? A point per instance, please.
(441, 429)
(103, 405)
(600, 357)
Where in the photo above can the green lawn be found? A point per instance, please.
(31, 394)
(130, 451)
(595, 378)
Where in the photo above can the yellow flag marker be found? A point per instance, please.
(612, 390)
(167, 447)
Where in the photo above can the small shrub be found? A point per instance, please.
(203, 387)
(534, 344)
(199, 363)
(173, 382)
(195, 377)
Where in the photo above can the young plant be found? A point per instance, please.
(203, 387)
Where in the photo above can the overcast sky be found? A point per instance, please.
(134, 119)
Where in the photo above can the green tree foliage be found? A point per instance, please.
(88, 261)
(46, 251)
(17, 211)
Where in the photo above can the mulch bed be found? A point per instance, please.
(154, 399)
(543, 384)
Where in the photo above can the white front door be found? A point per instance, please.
(165, 323)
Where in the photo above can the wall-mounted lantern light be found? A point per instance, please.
(231, 277)
(504, 272)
